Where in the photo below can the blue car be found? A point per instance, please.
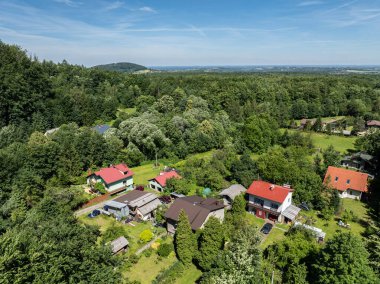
(94, 213)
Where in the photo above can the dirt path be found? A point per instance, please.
(145, 247)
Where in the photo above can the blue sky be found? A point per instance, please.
(175, 32)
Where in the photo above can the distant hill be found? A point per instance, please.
(121, 67)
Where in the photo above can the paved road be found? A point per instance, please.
(91, 208)
(145, 247)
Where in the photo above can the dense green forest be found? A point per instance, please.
(175, 115)
(121, 67)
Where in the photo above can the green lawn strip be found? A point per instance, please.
(323, 119)
(253, 220)
(189, 276)
(147, 268)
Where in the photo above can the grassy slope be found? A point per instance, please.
(148, 268)
(330, 227)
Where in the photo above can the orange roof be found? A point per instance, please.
(269, 191)
(161, 179)
(343, 179)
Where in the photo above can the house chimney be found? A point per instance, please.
(286, 185)
(271, 187)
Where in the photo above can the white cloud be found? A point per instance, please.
(309, 3)
(147, 9)
(114, 5)
(69, 3)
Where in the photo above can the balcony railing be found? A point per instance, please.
(260, 205)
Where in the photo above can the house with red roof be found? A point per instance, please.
(271, 201)
(159, 182)
(349, 183)
(114, 178)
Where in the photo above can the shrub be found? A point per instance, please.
(165, 249)
(100, 188)
(146, 236)
(148, 252)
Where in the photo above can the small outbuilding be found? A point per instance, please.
(119, 245)
(118, 209)
(230, 193)
(159, 182)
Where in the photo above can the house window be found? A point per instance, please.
(348, 181)
(274, 206)
(336, 178)
(258, 200)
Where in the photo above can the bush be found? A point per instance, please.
(165, 249)
(100, 188)
(146, 236)
(148, 252)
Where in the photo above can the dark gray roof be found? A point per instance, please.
(196, 208)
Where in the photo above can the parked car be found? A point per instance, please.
(140, 188)
(165, 199)
(266, 228)
(94, 213)
(304, 206)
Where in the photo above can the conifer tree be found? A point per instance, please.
(211, 242)
(185, 242)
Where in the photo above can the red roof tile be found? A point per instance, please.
(114, 173)
(373, 123)
(161, 179)
(343, 179)
(269, 191)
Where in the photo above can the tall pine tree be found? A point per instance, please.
(211, 242)
(185, 241)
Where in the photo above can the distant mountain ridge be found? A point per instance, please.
(125, 67)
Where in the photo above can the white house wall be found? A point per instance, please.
(156, 185)
(219, 214)
(353, 194)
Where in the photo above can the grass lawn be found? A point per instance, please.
(253, 220)
(144, 173)
(340, 143)
(274, 235)
(131, 233)
(322, 141)
(146, 270)
(125, 110)
(331, 226)
(190, 276)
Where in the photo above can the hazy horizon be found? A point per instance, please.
(196, 33)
